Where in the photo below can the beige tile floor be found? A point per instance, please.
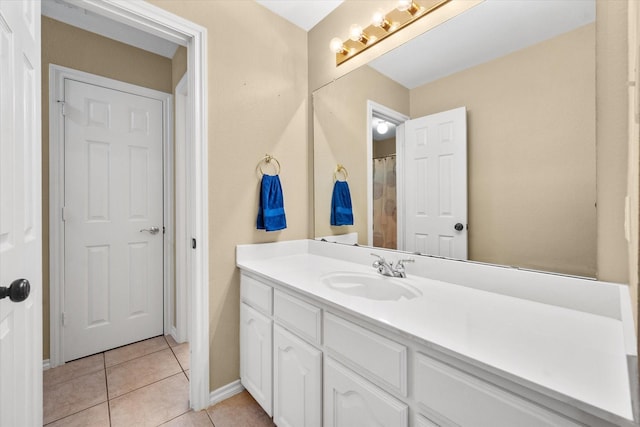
(142, 384)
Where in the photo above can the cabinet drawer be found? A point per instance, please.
(351, 401)
(357, 346)
(300, 317)
(256, 294)
(467, 400)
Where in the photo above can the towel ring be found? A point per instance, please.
(340, 169)
(267, 160)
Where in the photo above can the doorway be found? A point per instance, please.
(157, 22)
(384, 191)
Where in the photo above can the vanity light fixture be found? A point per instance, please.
(406, 12)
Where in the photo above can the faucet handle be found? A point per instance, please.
(376, 255)
(401, 262)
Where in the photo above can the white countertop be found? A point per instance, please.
(577, 354)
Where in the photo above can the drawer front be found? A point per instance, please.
(357, 345)
(300, 317)
(256, 294)
(351, 401)
(467, 400)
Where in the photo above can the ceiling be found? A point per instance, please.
(303, 13)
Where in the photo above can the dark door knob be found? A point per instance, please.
(17, 292)
(459, 227)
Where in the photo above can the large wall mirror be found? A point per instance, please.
(524, 71)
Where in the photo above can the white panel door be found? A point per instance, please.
(113, 218)
(20, 215)
(297, 381)
(256, 355)
(435, 180)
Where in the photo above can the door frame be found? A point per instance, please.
(397, 118)
(159, 22)
(57, 77)
(182, 275)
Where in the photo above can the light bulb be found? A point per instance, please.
(380, 20)
(382, 128)
(404, 5)
(355, 32)
(336, 45)
(408, 6)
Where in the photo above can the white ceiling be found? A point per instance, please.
(303, 13)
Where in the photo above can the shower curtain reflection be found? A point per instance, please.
(384, 203)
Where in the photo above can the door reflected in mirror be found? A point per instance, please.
(525, 71)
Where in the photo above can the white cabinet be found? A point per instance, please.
(310, 367)
(256, 355)
(297, 381)
(351, 401)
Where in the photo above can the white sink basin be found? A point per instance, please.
(370, 286)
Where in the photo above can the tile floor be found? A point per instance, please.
(142, 384)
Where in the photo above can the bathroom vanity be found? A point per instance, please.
(328, 341)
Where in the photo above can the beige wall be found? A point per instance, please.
(384, 147)
(81, 50)
(633, 175)
(612, 137)
(340, 135)
(257, 104)
(531, 153)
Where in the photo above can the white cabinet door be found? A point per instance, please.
(297, 378)
(256, 355)
(351, 401)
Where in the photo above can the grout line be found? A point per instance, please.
(106, 381)
(137, 357)
(146, 385)
(75, 413)
(210, 419)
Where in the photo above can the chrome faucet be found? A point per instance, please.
(387, 269)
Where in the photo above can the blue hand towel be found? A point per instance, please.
(271, 209)
(341, 211)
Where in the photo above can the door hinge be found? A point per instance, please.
(164, 230)
(64, 319)
(63, 109)
(64, 213)
(193, 243)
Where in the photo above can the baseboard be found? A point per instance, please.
(225, 392)
(174, 333)
(45, 364)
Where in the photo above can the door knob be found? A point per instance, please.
(17, 292)
(459, 227)
(152, 230)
